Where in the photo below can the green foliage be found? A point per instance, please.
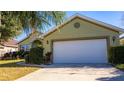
(9, 27)
(120, 66)
(27, 59)
(35, 55)
(36, 43)
(116, 55)
(38, 20)
(14, 22)
(48, 58)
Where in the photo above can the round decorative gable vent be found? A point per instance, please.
(77, 25)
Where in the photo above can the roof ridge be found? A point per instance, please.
(29, 36)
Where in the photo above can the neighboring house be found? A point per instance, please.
(9, 46)
(27, 43)
(81, 40)
(122, 40)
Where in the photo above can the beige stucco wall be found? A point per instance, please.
(122, 41)
(86, 30)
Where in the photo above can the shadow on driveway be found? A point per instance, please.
(115, 78)
(79, 65)
(119, 76)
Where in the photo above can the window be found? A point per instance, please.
(26, 47)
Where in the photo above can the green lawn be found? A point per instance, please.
(10, 61)
(9, 70)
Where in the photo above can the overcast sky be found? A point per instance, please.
(110, 17)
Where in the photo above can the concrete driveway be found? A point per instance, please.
(101, 72)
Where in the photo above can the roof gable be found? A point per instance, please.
(30, 36)
(84, 18)
(10, 43)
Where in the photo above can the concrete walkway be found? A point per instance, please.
(101, 72)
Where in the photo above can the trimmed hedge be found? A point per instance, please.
(36, 43)
(15, 55)
(35, 56)
(116, 55)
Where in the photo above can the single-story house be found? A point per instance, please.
(28, 41)
(122, 40)
(8, 46)
(81, 39)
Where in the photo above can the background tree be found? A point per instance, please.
(9, 27)
(12, 23)
(38, 20)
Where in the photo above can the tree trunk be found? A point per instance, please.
(33, 30)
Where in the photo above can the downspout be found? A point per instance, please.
(0, 26)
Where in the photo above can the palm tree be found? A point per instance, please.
(38, 20)
(14, 22)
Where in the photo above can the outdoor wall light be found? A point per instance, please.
(113, 38)
(47, 42)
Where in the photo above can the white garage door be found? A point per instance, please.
(80, 51)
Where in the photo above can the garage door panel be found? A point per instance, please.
(80, 51)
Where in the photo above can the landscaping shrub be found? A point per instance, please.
(15, 55)
(48, 58)
(36, 43)
(27, 59)
(22, 53)
(35, 56)
(116, 55)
